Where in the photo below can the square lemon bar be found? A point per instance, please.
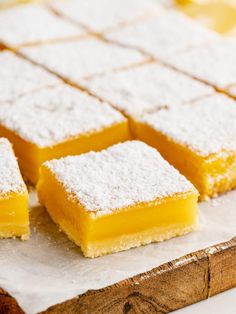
(214, 64)
(19, 77)
(164, 35)
(77, 59)
(119, 198)
(30, 24)
(14, 216)
(198, 139)
(58, 121)
(146, 88)
(100, 15)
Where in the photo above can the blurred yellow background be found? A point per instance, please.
(8, 3)
(219, 15)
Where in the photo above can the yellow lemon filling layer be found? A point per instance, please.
(14, 216)
(31, 156)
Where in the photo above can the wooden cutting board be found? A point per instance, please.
(173, 285)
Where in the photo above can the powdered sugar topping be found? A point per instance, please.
(120, 176)
(99, 15)
(213, 63)
(56, 114)
(31, 23)
(207, 126)
(74, 60)
(18, 77)
(164, 35)
(146, 88)
(10, 177)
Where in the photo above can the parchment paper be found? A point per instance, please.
(49, 268)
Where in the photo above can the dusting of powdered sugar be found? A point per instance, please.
(32, 23)
(146, 88)
(10, 177)
(120, 176)
(52, 115)
(164, 35)
(77, 59)
(207, 126)
(18, 77)
(214, 63)
(98, 15)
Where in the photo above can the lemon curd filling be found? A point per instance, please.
(110, 213)
(14, 216)
(56, 122)
(197, 140)
(32, 156)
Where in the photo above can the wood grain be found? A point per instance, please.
(222, 264)
(171, 286)
(2, 47)
(8, 304)
(165, 288)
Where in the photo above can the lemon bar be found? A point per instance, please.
(146, 88)
(19, 77)
(164, 35)
(73, 60)
(214, 64)
(14, 216)
(100, 15)
(122, 197)
(58, 121)
(198, 139)
(33, 24)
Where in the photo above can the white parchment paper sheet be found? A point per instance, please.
(49, 268)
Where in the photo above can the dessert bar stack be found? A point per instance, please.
(121, 113)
